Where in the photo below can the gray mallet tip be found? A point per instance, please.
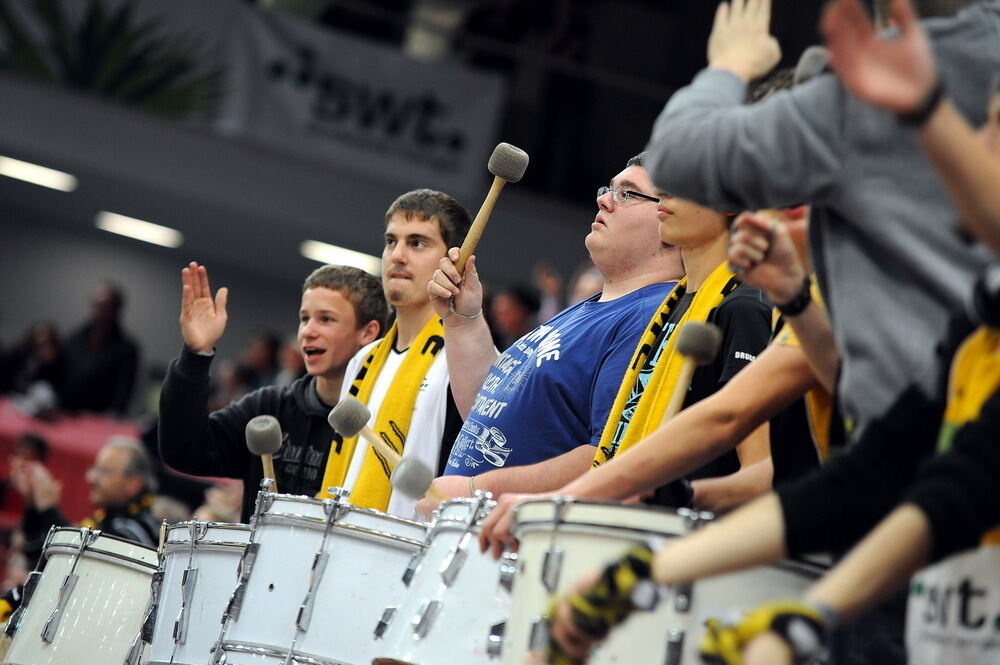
(812, 63)
(508, 162)
(349, 416)
(412, 477)
(699, 341)
(263, 435)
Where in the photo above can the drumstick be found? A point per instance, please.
(264, 439)
(698, 343)
(507, 164)
(411, 477)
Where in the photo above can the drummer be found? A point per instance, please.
(343, 312)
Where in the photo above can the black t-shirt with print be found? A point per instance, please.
(744, 317)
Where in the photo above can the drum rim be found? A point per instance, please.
(299, 498)
(320, 524)
(100, 534)
(274, 652)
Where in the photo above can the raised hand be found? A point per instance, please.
(897, 73)
(203, 320)
(45, 490)
(741, 41)
(762, 250)
(446, 284)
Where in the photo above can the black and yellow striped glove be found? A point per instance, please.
(607, 603)
(802, 626)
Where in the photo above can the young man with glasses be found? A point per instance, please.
(534, 413)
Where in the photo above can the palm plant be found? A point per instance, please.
(110, 54)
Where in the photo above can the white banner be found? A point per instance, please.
(304, 89)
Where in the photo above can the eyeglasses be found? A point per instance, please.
(621, 195)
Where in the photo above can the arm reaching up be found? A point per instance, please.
(203, 320)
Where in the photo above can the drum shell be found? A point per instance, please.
(468, 607)
(368, 552)
(216, 555)
(592, 534)
(104, 612)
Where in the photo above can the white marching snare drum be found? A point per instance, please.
(86, 605)
(314, 579)
(563, 539)
(457, 604)
(197, 576)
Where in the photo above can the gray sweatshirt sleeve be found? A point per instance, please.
(707, 146)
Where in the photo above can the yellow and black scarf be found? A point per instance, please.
(392, 422)
(639, 406)
(975, 377)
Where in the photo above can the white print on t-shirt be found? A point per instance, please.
(489, 442)
(743, 355)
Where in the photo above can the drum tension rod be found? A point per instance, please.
(453, 563)
(87, 538)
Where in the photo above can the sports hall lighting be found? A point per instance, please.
(38, 175)
(326, 253)
(139, 229)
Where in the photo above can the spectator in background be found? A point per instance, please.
(37, 358)
(292, 364)
(549, 283)
(101, 360)
(222, 502)
(121, 488)
(260, 360)
(513, 311)
(586, 281)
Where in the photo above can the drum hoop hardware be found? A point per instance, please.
(494, 641)
(189, 580)
(30, 584)
(508, 570)
(383, 623)
(295, 498)
(552, 560)
(455, 560)
(87, 538)
(675, 647)
(308, 520)
(587, 528)
(425, 618)
(97, 552)
(289, 656)
(334, 508)
(173, 545)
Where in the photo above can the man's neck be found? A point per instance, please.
(410, 320)
(328, 388)
(700, 261)
(618, 285)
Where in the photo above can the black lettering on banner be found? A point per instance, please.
(378, 112)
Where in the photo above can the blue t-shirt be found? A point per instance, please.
(552, 390)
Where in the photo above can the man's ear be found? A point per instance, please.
(370, 332)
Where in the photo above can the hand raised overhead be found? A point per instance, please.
(741, 41)
(894, 73)
(203, 320)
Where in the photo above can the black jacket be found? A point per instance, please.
(196, 442)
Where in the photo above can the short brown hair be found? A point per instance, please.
(429, 204)
(362, 290)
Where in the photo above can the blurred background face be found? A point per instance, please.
(109, 486)
(104, 305)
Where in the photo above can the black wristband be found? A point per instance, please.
(798, 304)
(925, 109)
